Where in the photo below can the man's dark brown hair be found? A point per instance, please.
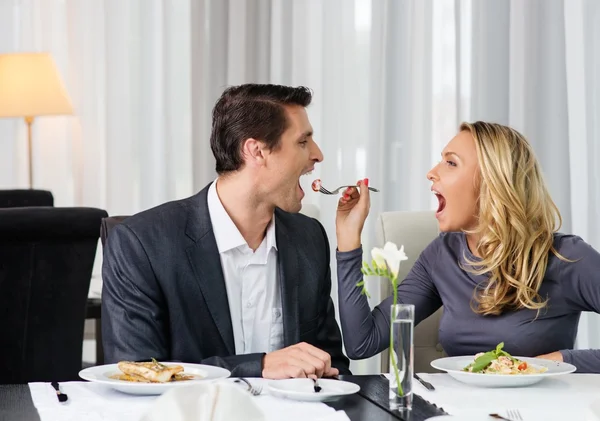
(251, 111)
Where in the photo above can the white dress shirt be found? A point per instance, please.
(251, 280)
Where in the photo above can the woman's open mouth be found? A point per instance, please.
(441, 203)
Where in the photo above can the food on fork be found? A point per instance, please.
(498, 361)
(316, 185)
(150, 372)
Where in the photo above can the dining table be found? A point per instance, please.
(86, 400)
(571, 397)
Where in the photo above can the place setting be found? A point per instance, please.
(497, 385)
(186, 388)
(155, 378)
(309, 390)
(497, 368)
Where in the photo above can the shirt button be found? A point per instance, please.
(248, 304)
(277, 313)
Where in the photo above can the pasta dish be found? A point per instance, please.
(498, 361)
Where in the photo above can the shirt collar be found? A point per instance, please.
(227, 235)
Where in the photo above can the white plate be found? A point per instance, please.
(101, 374)
(303, 389)
(454, 365)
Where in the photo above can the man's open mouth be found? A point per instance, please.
(307, 172)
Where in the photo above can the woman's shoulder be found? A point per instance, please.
(571, 252)
(570, 246)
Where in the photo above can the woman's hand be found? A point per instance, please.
(352, 211)
(554, 356)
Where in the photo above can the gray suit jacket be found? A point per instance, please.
(164, 294)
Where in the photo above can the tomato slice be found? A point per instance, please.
(316, 185)
(522, 366)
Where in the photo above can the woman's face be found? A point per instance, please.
(456, 184)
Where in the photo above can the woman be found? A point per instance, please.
(499, 268)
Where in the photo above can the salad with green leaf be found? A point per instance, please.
(498, 361)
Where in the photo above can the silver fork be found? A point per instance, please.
(336, 191)
(254, 390)
(514, 414)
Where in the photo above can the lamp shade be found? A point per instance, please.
(31, 86)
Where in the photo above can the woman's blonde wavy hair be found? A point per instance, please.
(517, 220)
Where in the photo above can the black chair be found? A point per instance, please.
(46, 260)
(25, 198)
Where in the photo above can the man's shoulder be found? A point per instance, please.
(165, 219)
(166, 212)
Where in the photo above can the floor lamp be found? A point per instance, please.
(30, 86)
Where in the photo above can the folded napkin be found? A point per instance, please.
(205, 402)
(226, 401)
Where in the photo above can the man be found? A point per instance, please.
(232, 276)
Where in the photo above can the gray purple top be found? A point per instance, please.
(437, 279)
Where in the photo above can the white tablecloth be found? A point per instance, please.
(95, 402)
(562, 398)
(566, 398)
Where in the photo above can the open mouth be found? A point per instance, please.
(308, 172)
(441, 202)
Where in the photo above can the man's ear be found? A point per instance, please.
(254, 152)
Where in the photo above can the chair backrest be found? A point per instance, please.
(109, 223)
(414, 230)
(25, 198)
(46, 260)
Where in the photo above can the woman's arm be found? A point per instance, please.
(365, 332)
(581, 288)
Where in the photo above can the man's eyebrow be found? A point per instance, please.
(306, 134)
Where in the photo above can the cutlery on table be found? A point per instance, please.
(513, 414)
(254, 390)
(316, 385)
(427, 385)
(62, 397)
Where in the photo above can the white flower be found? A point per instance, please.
(389, 255)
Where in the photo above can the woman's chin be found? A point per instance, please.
(445, 225)
(443, 228)
(442, 221)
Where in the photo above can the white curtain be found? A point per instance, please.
(540, 73)
(582, 40)
(392, 79)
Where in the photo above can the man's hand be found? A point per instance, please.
(554, 356)
(300, 360)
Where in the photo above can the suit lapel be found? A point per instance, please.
(289, 279)
(206, 262)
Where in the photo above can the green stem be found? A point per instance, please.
(392, 353)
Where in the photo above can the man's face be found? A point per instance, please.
(296, 155)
